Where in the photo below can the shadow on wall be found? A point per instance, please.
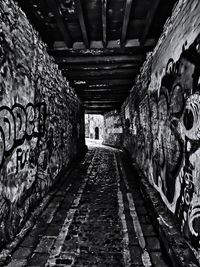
(163, 135)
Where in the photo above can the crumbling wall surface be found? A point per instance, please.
(112, 129)
(161, 118)
(41, 120)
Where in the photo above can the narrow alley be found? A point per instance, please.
(99, 133)
(96, 217)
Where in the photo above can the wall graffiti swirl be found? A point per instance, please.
(167, 146)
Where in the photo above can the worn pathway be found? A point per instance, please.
(96, 218)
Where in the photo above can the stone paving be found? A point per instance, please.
(96, 218)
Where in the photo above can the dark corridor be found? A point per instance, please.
(96, 216)
(99, 133)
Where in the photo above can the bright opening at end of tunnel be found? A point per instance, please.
(94, 129)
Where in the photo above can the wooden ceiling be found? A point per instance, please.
(99, 45)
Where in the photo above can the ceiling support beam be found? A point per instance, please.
(102, 74)
(53, 6)
(149, 20)
(102, 106)
(88, 92)
(101, 59)
(98, 83)
(79, 10)
(104, 21)
(101, 102)
(35, 20)
(127, 12)
(109, 66)
(97, 72)
(133, 49)
(96, 112)
(105, 99)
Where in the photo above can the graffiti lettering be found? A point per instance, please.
(19, 123)
(167, 144)
(22, 159)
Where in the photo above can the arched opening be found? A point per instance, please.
(96, 133)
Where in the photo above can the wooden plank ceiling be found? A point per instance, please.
(99, 45)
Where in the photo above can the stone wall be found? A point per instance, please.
(161, 118)
(112, 129)
(41, 120)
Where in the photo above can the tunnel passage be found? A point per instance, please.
(90, 219)
(136, 63)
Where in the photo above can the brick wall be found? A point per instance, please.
(41, 120)
(161, 118)
(112, 129)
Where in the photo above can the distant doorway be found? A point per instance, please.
(97, 133)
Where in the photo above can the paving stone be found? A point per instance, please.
(95, 235)
(22, 253)
(158, 260)
(153, 244)
(141, 210)
(30, 241)
(17, 263)
(52, 230)
(45, 245)
(148, 229)
(55, 201)
(136, 253)
(38, 259)
(144, 219)
(48, 214)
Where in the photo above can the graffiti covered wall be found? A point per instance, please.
(112, 128)
(163, 131)
(41, 120)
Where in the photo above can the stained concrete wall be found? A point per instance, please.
(161, 118)
(41, 120)
(112, 129)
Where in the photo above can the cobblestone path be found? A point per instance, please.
(96, 218)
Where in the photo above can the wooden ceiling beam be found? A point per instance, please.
(103, 74)
(81, 18)
(119, 98)
(100, 103)
(127, 12)
(97, 112)
(98, 83)
(101, 106)
(101, 59)
(53, 6)
(107, 93)
(37, 22)
(113, 50)
(89, 72)
(148, 21)
(103, 66)
(104, 21)
(103, 91)
(109, 100)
